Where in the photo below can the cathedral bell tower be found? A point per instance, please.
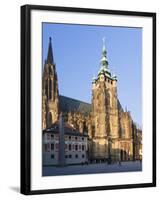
(50, 94)
(105, 109)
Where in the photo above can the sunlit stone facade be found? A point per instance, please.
(111, 132)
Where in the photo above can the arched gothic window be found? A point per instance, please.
(50, 69)
(46, 88)
(50, 89)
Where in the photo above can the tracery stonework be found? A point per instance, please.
(112, 134)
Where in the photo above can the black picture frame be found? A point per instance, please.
(26, 98)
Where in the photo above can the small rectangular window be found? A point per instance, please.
(69, 147)
(52, 146)
(52, 156)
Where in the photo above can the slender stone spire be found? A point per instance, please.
(50, 52)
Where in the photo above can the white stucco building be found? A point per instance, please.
(74, 147)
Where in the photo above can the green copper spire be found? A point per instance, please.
(104, 62)
(104, 47)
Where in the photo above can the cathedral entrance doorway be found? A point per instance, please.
(123, 155)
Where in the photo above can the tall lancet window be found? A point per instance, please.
(50, 69)
(50, 89)
(46, 88)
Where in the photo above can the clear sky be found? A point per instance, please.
(77, 52)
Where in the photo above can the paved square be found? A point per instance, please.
(92, 168)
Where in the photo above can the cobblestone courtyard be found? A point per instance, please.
(92, 168)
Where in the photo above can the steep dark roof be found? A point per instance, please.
(73, 105)
(68, 104)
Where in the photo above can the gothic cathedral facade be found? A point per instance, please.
(112, 134)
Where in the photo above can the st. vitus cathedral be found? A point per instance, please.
(111, 130)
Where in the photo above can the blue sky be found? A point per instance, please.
(77, 52)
